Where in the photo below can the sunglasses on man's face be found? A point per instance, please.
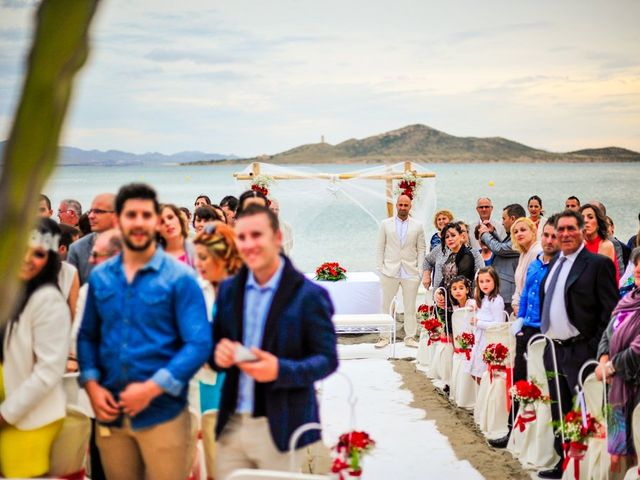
(98, 211)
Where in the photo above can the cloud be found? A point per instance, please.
(169, 55)
(19, 4)
(496, 31)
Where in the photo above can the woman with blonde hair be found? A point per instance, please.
(174, 232)
(524, 238)
(440, 219)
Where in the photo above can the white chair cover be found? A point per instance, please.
(425, 352)
(490, 412)
(634, 472)
(463, 388)
(597, 459)
(69, 450)
(534, 446)
(442, 363)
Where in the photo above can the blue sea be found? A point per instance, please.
(330, 225)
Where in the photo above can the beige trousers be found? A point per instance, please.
(409, 287)
(246, 443)
(164, 451)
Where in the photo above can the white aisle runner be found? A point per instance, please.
(408, 446)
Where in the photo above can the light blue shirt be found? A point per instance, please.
(257, 303)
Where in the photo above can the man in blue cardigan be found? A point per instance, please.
(285, 320)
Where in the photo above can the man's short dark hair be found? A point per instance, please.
(138, 191)
(46, 200)
(229, 201)
(570, 214)
(573, 197)
(551, 220)
(67, 232)
(515, 210)
(254, 209)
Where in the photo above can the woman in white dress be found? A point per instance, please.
(490, 311)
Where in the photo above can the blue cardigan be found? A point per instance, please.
(298, 331)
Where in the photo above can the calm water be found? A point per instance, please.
(330, 226)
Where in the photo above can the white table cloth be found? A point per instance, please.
(359, 293)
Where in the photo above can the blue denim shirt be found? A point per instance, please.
(530, 297)
(153, 328)
(257, 303)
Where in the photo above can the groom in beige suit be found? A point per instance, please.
(401, 249)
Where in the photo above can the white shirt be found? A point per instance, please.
(560, 327)
(65, 278)
(402, 227)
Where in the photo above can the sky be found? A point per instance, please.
(259, 77)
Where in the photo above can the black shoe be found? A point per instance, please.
(499, 442)
(555, 472)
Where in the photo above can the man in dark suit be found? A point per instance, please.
(577, 296)
(270, 305)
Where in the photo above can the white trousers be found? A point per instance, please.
(409, 287)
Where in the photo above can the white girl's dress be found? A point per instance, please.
(490, 312)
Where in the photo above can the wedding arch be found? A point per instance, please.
(336, 214)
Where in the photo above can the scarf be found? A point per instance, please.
(626, 336)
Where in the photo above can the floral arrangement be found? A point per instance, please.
(576, 428)
(527, 392)
(261, 183)
(465, 342)
(331, 272)
(495, 354)
(426, 311)
(408, 185)
(350, 449)
(434, 328)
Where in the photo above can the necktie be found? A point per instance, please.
(545, 319)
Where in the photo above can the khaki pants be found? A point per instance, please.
(163, 451)
(409, 287)
(246, 443)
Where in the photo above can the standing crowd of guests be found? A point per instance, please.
(131, 307)
(565, 276)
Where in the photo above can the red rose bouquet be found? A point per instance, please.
(261, 184)
(331, 272)
(426, 311)
(434, 328)
(527, 392)
(408, 185)
(495, 354)
(577, 428)
(465, 342)
(350, 449)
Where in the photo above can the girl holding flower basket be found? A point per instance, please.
(490, 310)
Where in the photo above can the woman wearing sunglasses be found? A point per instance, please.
(32, 361)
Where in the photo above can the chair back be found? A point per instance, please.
(461, 321)
(501, 333)
(535, 364)
(635, 426)
(69, 449)
(593, 395)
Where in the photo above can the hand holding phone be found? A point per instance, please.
(243, 354)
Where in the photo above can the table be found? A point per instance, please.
(360, 293)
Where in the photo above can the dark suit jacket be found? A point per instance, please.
(298, 331)
(590, 294)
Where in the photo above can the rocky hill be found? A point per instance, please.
(421, 143)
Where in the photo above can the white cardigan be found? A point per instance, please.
(34, 361)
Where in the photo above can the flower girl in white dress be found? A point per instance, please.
(490, 310)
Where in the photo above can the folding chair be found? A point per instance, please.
(534, 446)
(490, 412)
(463, 388)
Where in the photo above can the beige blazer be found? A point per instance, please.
(390, 254)
(35, 356)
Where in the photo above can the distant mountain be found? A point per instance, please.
(425, 144)
(77, 156)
